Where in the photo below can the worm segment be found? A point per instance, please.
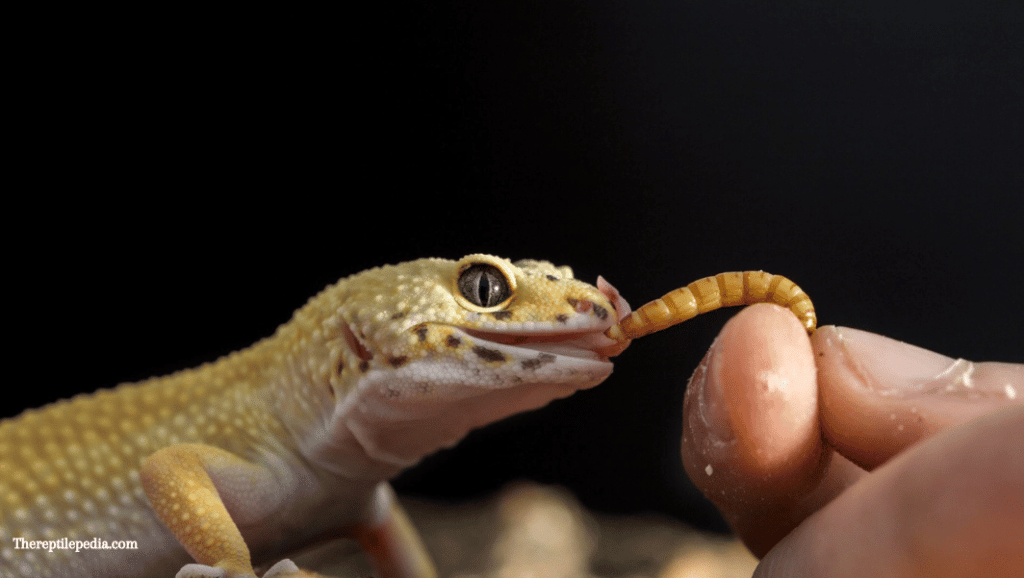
(710, 293)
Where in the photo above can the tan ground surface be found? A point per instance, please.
(532, 531)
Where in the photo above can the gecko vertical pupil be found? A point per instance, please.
(484, 285)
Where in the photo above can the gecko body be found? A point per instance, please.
(291, 441)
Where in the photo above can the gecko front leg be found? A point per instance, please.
(391, 540)
(186, 485)
(194, 489)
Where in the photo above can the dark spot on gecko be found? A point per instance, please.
(398, 360)
(488, 354)
(601, 312)
(341, 367)
(562, 318)
(501, 315)
(541, 360)
(398, 315)
(452, 341)
(364, 366)
(530, 364)
(421, 331)
(572, 301)
(552, 278)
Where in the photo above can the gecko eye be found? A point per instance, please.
(484, 285)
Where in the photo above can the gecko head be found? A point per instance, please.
(501, 322)
(519, 318)
(446, 346)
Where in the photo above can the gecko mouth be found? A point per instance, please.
(592, 345)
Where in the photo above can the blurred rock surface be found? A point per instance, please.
(534, 531)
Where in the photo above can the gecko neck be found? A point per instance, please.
(392, 421)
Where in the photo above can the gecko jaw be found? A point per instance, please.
(581, 345)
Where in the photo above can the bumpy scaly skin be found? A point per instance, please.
(290, 440)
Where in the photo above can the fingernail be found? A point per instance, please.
(893, 367)
(712, 408)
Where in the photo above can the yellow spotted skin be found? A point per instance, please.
(264, 451)
(710, 293)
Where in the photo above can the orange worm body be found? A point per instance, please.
(710, 293)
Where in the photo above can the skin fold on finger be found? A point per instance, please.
(879, 396)
(949, 506)
(751, 436)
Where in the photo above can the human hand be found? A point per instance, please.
(851, 454)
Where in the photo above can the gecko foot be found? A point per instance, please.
(204, 571)
(283, 569)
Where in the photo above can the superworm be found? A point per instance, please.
(710, 293)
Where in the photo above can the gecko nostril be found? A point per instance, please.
(586, 305)
(580, 305)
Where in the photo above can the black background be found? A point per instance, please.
(187, 179)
